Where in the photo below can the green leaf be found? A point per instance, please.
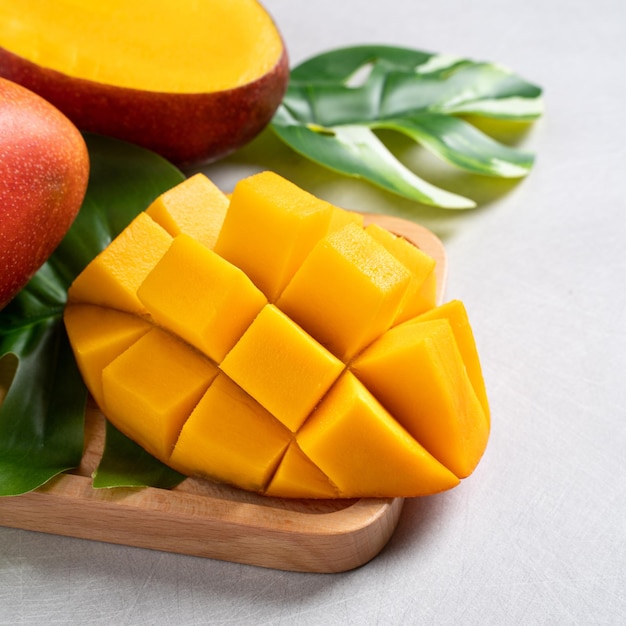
(42, 394)
(336, 101)
(125, 464)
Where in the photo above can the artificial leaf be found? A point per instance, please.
(336, 102)
(42, 395)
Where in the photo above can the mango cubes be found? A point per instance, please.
(275, 343)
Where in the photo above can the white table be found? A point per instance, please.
(538, 534)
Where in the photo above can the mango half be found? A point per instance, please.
(275, 343)
(190, 80)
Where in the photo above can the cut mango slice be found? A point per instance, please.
(364, 451)
(456, 313)
(298, 477)
(152, 387)
(279, 361)
(347, 291)
(270, 227)
(111, 280)
(421, 291)
(95, 350)
(283, 367)
(417, 372)
(196, 207)
(227, 414)
(189, 290)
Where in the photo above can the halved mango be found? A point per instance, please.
(321, 394)
(190, 80)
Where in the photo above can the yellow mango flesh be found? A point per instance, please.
(270, 227)
(150, 389)
(95, 350)
(417, 372)
(224, 415)
(188, 292)
(196, 207)
(421, 292)
(111, 280)
(347, 261)
(116, 42)
(320, 394)
(283, 367)
(364, 450)
(454, 311)
(298, 477)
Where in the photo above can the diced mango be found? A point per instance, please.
(151, 388)
(113, 277)
(421, 293)
(455, 312)
(231, 438)
(347, 291)
(195, 207)
(417, 373)
(340, 217)
(200, 297)
(298, 477)
(289, 360)
(116, 331)
(269, 229)
(282, 366)
(364, 451)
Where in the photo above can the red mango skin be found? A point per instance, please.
(44, 170)
(188, 129)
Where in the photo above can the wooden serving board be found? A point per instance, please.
(203, 519)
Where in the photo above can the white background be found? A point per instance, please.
(537, 534)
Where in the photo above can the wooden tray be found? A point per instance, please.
(207, 520)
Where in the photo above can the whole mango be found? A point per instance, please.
(44, 169)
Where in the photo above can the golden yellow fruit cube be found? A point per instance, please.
(98, 335)
(347, 291)
(269, 228)
(231, 438)
(282, 366)
(364, 451)
(417, 373)
(113, 277)
(298, 477)
(421, 293)
(200, 297)
(151, 388)
(455, 312)
(195, 207)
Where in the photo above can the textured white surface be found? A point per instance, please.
(538, 534)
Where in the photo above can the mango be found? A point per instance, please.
(190, 80)
(44, 168)
(334, 374)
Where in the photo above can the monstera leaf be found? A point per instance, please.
(336, 101)
(42, 395)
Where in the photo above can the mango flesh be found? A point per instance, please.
(190, 80)
(320, 387)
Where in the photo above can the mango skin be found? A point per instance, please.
(185, 128)
(44, 169)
